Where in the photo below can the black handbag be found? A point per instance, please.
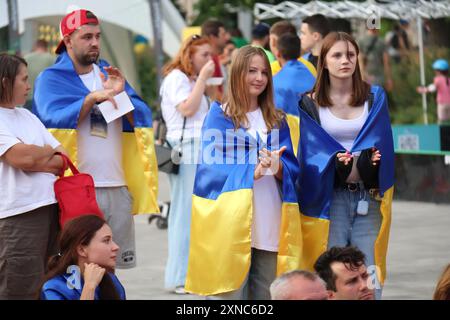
(168, 157)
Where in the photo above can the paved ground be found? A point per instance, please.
(419, 249)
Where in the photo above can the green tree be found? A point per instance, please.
(221, 10)
(405, 103)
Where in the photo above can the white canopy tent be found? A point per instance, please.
(118, 18)
(370, 10)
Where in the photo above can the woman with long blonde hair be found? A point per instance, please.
(245, 223)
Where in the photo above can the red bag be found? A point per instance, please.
(75, 194)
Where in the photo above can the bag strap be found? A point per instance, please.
(182, 130)
(67, 162)
(184, 124)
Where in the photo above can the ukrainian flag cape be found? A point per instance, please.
(222, 206)
(317, 152)
(289, 84)
(58, 96)
(276, 67)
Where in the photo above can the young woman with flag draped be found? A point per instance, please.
(245, 227)
(346, 158)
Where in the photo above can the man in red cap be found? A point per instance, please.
(65, 99)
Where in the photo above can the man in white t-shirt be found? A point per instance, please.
(99, 144)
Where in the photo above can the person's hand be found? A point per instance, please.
(421, 89)
(48, 148)
(104, 95)
(376, 156)
(115, 81)
(268, 160)
(92, 275)
(207, 70)
(344, 157)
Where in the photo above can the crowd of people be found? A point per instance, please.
(287, 167)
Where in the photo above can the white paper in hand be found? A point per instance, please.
(123, 103)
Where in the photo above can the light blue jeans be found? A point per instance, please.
(347, 227)
(179, 221)
(256, 285)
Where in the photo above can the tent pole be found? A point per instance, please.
(422, 69)
(13, 27)
(156, 17)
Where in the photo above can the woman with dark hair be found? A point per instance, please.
(84, 268)
(28, 165)
(346, 159)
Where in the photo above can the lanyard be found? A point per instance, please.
(94, 83)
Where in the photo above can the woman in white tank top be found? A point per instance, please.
(340, 101)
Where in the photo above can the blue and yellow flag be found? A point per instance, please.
(58, 97)
(222, 206)
(317, 152)
(276, 67)
(289, 84)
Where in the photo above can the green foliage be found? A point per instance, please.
(405, 103)
(147, 72)
(220, 10)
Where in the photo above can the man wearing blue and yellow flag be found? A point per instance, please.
(291, 82)
(346, 157)
(276, 31)
(245, 227)
(120, 154)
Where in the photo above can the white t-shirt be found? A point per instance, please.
(266, 198)
(175, 89)
(98, 156)
(23, 191)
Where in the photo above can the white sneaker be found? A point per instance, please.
(180, 290)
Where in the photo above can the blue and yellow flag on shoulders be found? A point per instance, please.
(276, 67)
(317, 152)
(222, 206)
(58, 97)
(289, 84)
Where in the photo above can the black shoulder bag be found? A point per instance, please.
(169, 157)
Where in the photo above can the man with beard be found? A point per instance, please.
(115, 154)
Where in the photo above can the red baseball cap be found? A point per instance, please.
(72, 22)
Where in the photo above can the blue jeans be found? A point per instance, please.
(347, 227)
(256, 285)
(179, 221)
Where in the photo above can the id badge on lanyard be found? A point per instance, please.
(99, 127)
